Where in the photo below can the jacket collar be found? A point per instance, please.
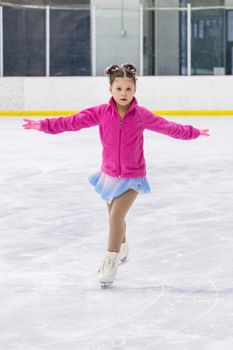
(133, 105)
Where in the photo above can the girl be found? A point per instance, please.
(123, 171)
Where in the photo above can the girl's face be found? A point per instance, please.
(123, 90)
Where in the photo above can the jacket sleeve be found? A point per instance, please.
(84, 119)
(178, 131)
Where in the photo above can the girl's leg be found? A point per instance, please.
(124, 231)
(119, 208)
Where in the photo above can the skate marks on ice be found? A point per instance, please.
(98, 323)
(176, 292)
(112, 319)
(202, 331)
(188, 322)
(75, 317)
(149, 322)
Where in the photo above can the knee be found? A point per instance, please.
(115, 217)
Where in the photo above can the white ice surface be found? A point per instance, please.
(176, 291)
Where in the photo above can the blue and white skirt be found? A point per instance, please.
(110, 187)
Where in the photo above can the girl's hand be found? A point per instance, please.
(205, 132)
(31, 124)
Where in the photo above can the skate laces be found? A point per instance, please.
(109, 262)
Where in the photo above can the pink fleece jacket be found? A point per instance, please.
(122, 139)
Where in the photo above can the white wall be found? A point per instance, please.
(156, 93)
(167, 39)
(117, 33)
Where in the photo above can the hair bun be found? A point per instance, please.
(129, 67)
(111, 69)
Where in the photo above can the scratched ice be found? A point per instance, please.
(176, 291)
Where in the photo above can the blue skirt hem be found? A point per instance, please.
(110, 187)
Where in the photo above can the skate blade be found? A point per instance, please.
(123, 261)
(105, 284)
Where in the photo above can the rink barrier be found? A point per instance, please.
(192, 113)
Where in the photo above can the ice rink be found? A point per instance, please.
(176, 291)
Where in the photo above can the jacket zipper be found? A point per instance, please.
(119, 150)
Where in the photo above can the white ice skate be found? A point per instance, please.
(108, 269)
(124, 251)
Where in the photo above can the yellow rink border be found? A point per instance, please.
(211, 113)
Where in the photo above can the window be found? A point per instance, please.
(23, 41)
(208, 38)
(70, 47)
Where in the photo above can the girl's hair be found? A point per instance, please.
(126, 70)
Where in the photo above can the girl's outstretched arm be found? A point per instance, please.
(86, 118)
(176, 130)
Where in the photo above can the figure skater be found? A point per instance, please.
(122, 175)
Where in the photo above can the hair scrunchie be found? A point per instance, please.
(111, 69)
